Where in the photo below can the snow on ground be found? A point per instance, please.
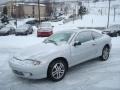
(91, 75)
(17, 42)
(89, 20)
(101, 7)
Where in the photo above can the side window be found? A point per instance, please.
(96, 35)
(84, 37)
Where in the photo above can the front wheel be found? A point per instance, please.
(26, 33)
(57, 70)
(119, 33)
(105, 53)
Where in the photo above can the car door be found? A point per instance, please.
(86, 50)
(98, 39)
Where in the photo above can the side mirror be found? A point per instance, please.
(76, 43)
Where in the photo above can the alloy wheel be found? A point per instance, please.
(105, 53)
(58, 70)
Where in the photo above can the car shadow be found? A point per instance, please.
(84, 65)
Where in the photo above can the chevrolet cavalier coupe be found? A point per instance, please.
(56, 54)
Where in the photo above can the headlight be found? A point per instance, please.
(104, 32)
(34, 62)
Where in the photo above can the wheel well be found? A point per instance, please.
(107, 46)
(59, 58)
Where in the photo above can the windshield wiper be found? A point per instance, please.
(52, 41)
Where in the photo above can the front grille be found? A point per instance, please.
(18, 72)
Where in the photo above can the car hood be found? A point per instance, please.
(40, 50)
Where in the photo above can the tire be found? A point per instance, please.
(113, 35)
(116, 34)
(119, 33)
(105, 53)
(26, 33)
(9, 33)
(16, 34)
(57, 70)
(31, 32)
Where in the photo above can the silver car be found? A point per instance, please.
(24, 30)
(7, 30)
(59, 52)
(113, 30)
(2, 25)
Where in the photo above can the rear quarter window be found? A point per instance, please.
(96, 35)
(84, 36)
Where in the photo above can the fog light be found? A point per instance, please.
(36, 62)
(27, 74)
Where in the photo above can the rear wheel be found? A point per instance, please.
(105, 53)
(9, 33)
(116, 34)
(57, 70)
(26, 33)
(31, 31)
(119, 33)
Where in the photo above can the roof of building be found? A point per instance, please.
(30, 4)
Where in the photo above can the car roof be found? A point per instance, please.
(81, 30)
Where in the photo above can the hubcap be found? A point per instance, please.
(58, 70)
(106, 53)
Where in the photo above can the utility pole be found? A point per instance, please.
(52, 9)
(88, 4)
(114, 14)
(108, 14)
(11, 8)
(16, 12)
(39, 15)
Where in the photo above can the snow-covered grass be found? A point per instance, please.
(88, 21)
(101, 7)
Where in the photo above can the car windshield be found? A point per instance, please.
(59, 37)
(23, 27)
(45, 25)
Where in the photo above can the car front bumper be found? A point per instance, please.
(29, 72)
(4, 34)
(20, 33)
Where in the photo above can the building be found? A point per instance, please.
(48, 8)
(25, 9)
